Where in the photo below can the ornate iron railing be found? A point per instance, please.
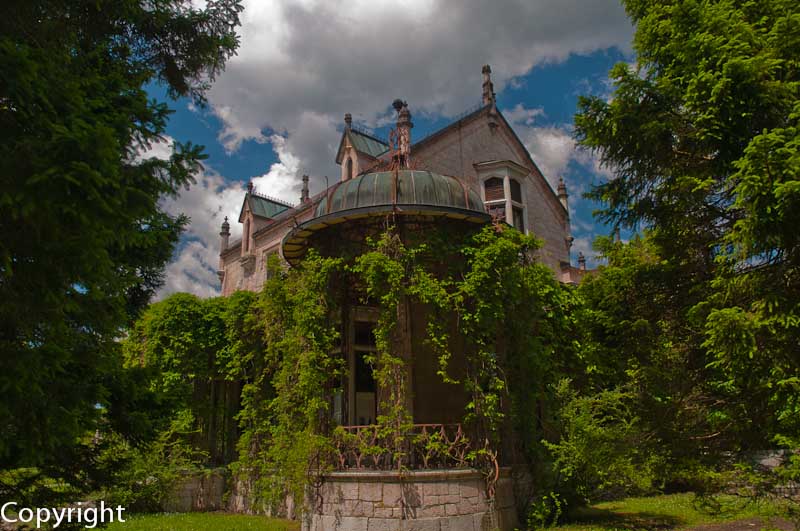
(423, 446)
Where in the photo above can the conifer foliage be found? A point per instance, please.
(83, 240)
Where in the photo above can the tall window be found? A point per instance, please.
(364, 387)
(246, 236)
(504, 200)
(349, 169)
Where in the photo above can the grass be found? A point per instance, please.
(657, 513)
(203, 522)
(667, 512)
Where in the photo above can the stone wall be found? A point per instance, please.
(431, 500)
(199, 491)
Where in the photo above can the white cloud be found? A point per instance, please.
(322, 59)
(159, 149)
(206, 203)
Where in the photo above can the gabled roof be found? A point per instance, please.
(363, 143)
(263, 206)
(486, 109)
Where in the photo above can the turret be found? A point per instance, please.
(581, 262)
(562, 195)
(225, 235)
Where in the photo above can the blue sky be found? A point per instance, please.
(277, 110)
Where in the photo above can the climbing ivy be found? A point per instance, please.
(512, 319)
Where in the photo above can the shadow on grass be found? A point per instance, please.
(641, 521)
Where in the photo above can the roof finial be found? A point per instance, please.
(250, 187)
(348, 120)
(488, 86)
(404, 126)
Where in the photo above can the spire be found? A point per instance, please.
(304, 196)
(488, 86)
(562, 194)
(348, 121)
(404, 126)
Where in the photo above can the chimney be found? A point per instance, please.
(304, 197)
(562, 194)
(488, 86)
(348, 121)
(581, 262)
(404, 126)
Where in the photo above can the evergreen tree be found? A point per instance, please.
(83, 240)
(702, 136)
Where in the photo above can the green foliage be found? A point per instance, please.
(603, 449)
(196, 353)
(702, 138)
(142, 478)
(285, 410)
(83, 238)
(545, 511)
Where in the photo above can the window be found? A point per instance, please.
(246, 236)
(498, 205)
(494, 190)
(271, 264)
(349, 169)
(365, 388)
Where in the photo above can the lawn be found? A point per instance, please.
(203, 522)
(675, 511)
(658, 513)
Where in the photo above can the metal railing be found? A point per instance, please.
(423, 447)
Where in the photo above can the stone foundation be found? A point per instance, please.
(199, 491)
(430, 500)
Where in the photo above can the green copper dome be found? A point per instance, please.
(414, 194)
(413, 188)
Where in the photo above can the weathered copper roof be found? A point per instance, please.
(263, 206)
(414, 187)
(403, 192)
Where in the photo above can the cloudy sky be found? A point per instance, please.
(277, 111)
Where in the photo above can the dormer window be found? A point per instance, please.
(348, 171)
(503, 196)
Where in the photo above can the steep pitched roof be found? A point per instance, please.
(474, 113)
(263, 206)
(363, 143)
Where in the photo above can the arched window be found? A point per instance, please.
(246, 235)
